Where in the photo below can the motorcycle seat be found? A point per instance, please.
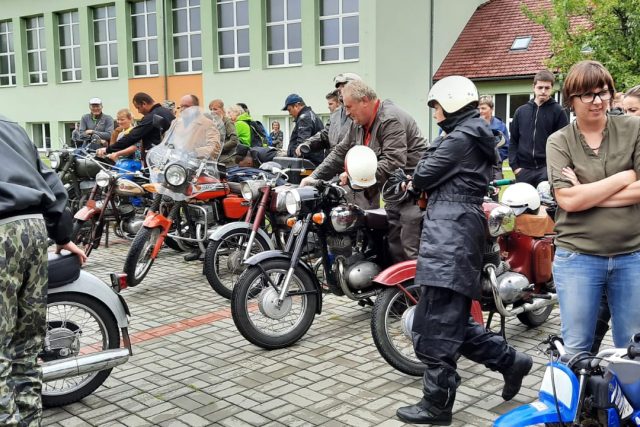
(63, 269)
(376, 219)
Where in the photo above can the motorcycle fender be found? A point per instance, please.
(527, 415)
(277, 254)
(397, 273)
(86, 213)
(154, 219)
(89, 285)
(219, 232)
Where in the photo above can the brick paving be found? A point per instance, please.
(191, 367)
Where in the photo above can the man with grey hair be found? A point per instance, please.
(395, 138)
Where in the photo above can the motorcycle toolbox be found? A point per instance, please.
(295, 163)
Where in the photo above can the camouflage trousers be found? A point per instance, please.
(23, 306)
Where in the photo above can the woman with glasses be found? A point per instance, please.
(594, 166)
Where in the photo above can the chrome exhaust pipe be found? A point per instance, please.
(81, 365)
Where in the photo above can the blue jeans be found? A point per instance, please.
(580, 280)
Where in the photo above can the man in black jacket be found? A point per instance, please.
(307, 125)
(532, 124)
(32, 206)
(145, 130)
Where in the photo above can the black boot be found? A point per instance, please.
(418, 414)
(194, 256)
(513, 376)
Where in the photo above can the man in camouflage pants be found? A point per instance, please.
(30, 193)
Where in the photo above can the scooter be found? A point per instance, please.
(86, 319)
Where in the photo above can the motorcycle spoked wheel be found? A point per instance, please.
(256, 314)
(78, 325)
(173, 244)
(223, 262)
(81, 235)
(139, 261)
(389, 324)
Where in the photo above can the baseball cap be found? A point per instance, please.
(294, 98)
(95, 101)
(344, 78)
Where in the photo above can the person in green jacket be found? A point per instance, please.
(240, 118)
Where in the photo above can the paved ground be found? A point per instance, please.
(192, 368)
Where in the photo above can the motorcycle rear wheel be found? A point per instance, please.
(139, 260)
(223, 259)
(79, 325)
(386, 328)
(535, 318)
(255, 313)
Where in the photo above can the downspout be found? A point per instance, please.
(430, 59)
(165, 59)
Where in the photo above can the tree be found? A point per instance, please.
(605, 30)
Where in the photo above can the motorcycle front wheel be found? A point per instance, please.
(391, 321)
(139, 260)
(257, 314)
(223, 260)
(81, 235)
(76, 325)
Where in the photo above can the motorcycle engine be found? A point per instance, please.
(340, 245)
(198, 215)
(511, 286)
(360, 274)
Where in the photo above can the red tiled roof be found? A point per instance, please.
(482, 51)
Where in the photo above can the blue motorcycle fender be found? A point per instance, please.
(219, 232)
(278, 254)
(527, 415)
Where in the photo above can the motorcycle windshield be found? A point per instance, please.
(185, 145)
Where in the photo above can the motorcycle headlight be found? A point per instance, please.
(102, 178)
(54, 160)
(251, 189)
(175, 175)
(292, 202)
(502, 220)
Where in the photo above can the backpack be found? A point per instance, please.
(258, 135)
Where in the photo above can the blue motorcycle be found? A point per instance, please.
(584, 390)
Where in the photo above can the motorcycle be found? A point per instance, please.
(199, 198)
(86, 320)
(232, 244)
(584, 391)
(117, 197)
(516, 281)
(278, 295)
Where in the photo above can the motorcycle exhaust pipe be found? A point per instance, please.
(81, 365)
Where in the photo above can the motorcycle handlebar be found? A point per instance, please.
(305, 149)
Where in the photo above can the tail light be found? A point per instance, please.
(118, 281)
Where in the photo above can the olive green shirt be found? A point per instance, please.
(596, 231)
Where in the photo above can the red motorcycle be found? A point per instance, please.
(516, 281)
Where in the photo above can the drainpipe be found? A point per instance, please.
(165, 55)
(431, 20)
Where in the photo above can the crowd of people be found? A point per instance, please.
(592, 163)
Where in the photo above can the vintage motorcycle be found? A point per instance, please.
(118, 197)
(198, 197)
(86, 320)
(278, 295)
(584, 390)
(264, 227)
(516, 281)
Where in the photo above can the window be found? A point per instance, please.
(187, 45)
(7, 55)
(69, 36)
(36, 50)
(105, 42)
(339, 30)
(284, 35)
(41, 135)
(233, 34)
(521, 43)
(144, 38)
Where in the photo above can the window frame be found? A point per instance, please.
(40, 50)
(340, 46)
(146, 38)
(234, 29)
(110, 65)
(189, 33)
(521, 43)
(76, 69)
(285, 23)
(10, 54)
(45, 131)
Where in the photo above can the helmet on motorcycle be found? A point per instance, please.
(345, 78)
(361, 164)
(453, 93)
(522, 197)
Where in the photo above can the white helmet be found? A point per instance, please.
(521, 197)
(344, 78)
(453, 93)
(361, 164)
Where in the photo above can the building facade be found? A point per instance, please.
(55, 55)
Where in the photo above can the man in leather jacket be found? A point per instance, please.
(32, 206)
(455, 173)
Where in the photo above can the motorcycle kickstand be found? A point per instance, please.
(503, 328)
(107, 224)
(365, 302)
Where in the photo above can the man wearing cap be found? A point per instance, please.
(395, 138)
(95, 124)
(146, 130)
(338, 124)
(307, 124)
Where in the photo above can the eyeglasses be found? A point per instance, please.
(589, 97)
